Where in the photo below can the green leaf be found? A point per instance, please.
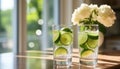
(102, 28)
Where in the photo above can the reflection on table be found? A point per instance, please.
(44, 60)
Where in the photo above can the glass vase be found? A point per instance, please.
(88, 35)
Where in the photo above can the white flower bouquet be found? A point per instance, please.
(103, 15)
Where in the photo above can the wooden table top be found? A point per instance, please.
(106, 60)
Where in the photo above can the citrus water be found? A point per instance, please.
(88, 45)
(62, 55)
(62, 41)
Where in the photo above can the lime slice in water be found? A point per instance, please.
(66, 30)
(58, 43)
(66, 38)
(56, 35)
(86, 53)
(84, 46)
(92, 43)
(82, 38)
(93, 35)
(60, 51)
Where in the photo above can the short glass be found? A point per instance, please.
(62, 41)
(88, 45)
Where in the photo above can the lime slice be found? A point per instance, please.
(56, 35)
(60, 51)
(86, 53)
(82, 38)
(92, 43)
(93, 35)
(58, 43)
(66, 30)
(66, 38)
(84, 46)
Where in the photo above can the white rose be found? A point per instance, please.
(80, 13)
(106, 15)
(94, 7)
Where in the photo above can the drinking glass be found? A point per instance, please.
(62, 42)
(88, 44)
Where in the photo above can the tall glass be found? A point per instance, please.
(62, 41)
(88, 45)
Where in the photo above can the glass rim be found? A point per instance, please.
(61, 25)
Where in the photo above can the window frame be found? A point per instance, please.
(0, 21)
(65, 11)
(21, 34)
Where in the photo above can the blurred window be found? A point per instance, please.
(7, 33)
(39, 16)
